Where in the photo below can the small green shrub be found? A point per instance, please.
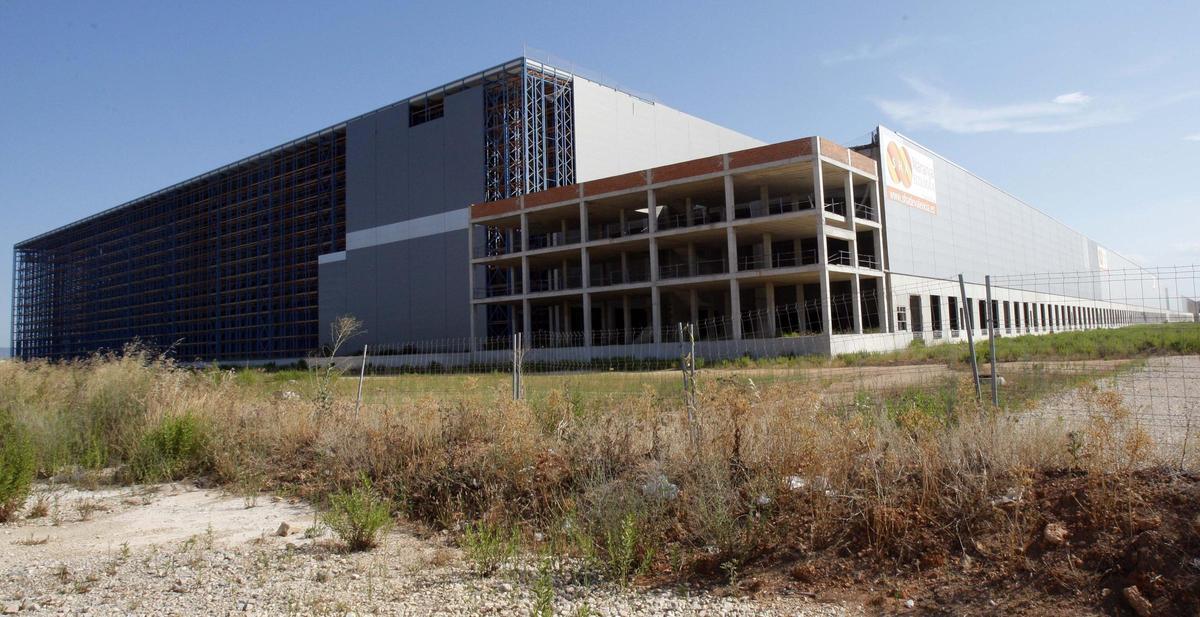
(171, 450)
(624, 557)
(16, 466)
(358, 516)
(489, 547)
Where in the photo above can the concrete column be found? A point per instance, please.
(822, 247)
(624, 267)
(692, 266)
(849, 190)
(732, 249)
(621, 221)
(764, 195)
(694, 306)
(856, 304)
(689, 216)
(735, 308)
(651, 211)
(526, 323)
(885, 316)
(583, 221)
(524, 232)
(729, 198)
(628, 313)
(587, 320)
(771, 326)
(656, 313)
(767, 249)
(566, 311)
(801, 309)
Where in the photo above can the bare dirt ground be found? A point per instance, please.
(1162, 397)
(179, 550)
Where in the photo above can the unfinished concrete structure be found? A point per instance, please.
(801, 243)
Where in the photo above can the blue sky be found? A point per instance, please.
(1087, 110)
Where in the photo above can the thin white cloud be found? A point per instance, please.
(933, 107)
(870, 51)
(1072, 98)
(1193, 137)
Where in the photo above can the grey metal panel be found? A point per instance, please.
(979, 229)
(331, 295)
(458, 291)
(428, 287)
(395, 297)
(362, 297)
(360, 173)
(464, 176)
(391, 151)
(426, 156)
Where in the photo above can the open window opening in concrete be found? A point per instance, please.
(709, 308)
(864, 201)
(901, 318)
(689, 205)
(618, 217)
(842, 301)
(839, 252)
(1007, 318)
(868, 256)
(694, 257)
(870, 292)
(622, 318)
(555, 272)
(773, 192)
(774, 247)
(620, 264)
(915, 315)
(952, 302)
(834, 181)
(553, 228)
(935, 315)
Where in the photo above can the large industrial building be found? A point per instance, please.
(525, 199)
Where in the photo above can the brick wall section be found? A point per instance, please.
(492, 208)
(549, 196)
(615, 183)
(834, 151)
(772, 152)
(863, 163)
(678, 171)
(687, 169)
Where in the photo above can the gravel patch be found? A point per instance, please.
(178, 550)
(1162, 398)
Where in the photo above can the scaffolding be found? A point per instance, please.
(220, 267)
(529, 146)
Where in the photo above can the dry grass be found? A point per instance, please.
(776, 469)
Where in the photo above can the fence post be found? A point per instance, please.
(992, 341)
(517, 352)
(362, 371)
(966, 309)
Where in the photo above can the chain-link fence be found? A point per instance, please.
(1062, 347)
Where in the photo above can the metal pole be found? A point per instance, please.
(362, 371)
(962, 288)
(992, 341)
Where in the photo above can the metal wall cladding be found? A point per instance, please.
(417, 288)
(980, 230)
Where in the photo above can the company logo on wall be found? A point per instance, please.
(909, 177)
